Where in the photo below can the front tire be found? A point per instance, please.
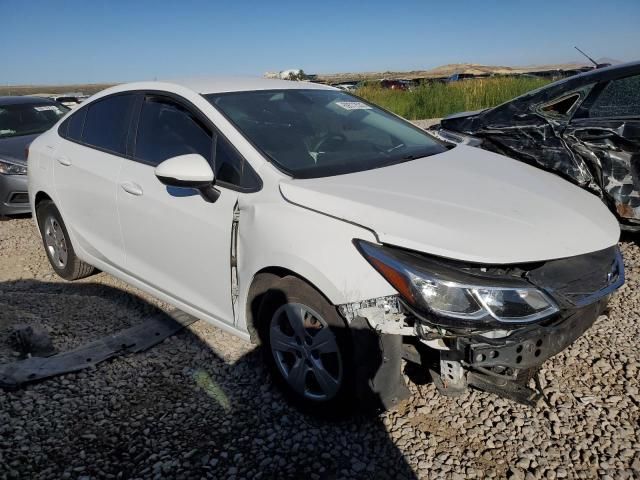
(57, 244)
(307, 346)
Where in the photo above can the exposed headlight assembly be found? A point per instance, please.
(9, 168)
(433, 287)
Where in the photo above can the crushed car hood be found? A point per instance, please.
(12, 148)
(466, 204)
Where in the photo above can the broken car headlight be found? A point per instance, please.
(434, 286)
(9, 168)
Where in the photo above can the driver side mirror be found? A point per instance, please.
(189, 171)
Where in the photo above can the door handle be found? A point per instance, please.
(64, 161)
(132, 188)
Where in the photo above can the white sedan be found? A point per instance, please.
(338, 235)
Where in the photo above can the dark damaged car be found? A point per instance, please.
(585, 128)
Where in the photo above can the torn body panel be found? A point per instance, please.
(234, 262)
(612, 150)
(562, 128)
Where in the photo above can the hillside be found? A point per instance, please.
(447, 70)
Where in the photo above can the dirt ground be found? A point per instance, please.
(200, 405)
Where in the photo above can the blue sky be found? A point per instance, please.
(50, 42)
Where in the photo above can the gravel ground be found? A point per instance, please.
(199, 405)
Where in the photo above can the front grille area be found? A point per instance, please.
(582, 279)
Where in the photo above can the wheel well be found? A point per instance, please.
(40, 197)
(262, 282)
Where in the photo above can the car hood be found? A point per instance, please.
(466, 204)
(12, 148)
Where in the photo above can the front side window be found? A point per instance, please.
(166, 130)
(29, 118)
(231, 168)
(106, 125)
(316, 133)
(620, 98)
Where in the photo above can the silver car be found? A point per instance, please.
(22, 119)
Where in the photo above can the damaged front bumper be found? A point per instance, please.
(496, 358)
(530, 346)
(503, 365)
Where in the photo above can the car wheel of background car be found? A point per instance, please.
(57, 244)
(307, 346)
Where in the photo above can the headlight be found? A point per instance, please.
(433, 286)
(12, 168)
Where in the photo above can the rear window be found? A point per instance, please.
(107, 123)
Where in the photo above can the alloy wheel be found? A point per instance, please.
(56, 242)
(306, 352)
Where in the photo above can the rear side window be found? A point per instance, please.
(620, 98)
(166, 130)
(75, 124)
(106, 125)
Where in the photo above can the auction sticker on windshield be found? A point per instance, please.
(47, 108)
(353, 105)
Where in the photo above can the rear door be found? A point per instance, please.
(86, 168)
(605, 131)
(175, 241)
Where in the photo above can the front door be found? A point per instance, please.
(175, 241)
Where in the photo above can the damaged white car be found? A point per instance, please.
(336, 234)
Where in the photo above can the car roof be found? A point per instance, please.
(569, 84)
(606, 73)
(592, 76)
(208, 85)
(23, 100)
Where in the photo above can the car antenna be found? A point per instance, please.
(598, 65)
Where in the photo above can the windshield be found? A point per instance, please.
(28, 118)
(318, 133)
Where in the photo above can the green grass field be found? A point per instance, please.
(435, 100)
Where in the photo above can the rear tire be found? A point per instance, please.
(57, 244)
(307, 346)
